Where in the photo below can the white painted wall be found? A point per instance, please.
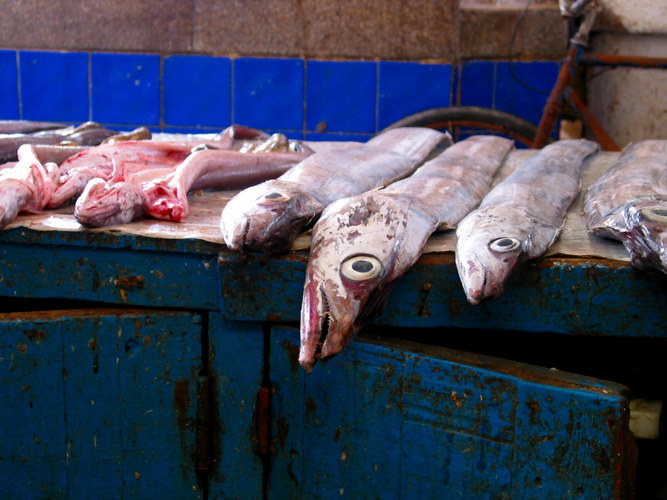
(631, 103)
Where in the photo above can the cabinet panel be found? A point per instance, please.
(236, 359)
(101, 403)
(403, 420)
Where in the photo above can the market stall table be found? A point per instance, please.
(148, 359)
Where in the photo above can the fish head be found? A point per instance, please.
(105, 203)
(268, 217)
(489, 247)
(355, 255)
(646, 236)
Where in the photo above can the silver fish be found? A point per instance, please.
(363, 243)
(629, 203)
(519, 219)
(268, 217)
(127, 195)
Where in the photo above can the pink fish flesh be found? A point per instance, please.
(25, 186)
(268, 217)
(519, 219)
(127, 196)
(362, 244)
(138, 155)
(629, 203)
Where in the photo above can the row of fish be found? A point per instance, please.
(372, 207)
(368, 235)
(126, 176)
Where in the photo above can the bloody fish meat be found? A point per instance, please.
(363, 243)
(519, 219)
(268, 217)
(127, 196)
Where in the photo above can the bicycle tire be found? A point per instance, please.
(469, 120)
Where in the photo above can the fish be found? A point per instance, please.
(27, 185)
(629, 203)
(27, 126)
(362, 244)
(126, 197)
(519, 219)
(101, 162)
(267, 218)
(86, 134)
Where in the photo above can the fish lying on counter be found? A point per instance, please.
(86, 134)
(629, 203)
(269, 217)
(25, 186)
(27, 126)
(140, 160)
(519, 219)
(363, 243)
(128, 196)
(137, 157)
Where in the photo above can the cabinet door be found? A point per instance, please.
(99, 403)
(404, 420)
(236, 360)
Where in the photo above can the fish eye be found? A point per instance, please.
(361, 268)
(504, 244)
(655, 214)
(273, 198)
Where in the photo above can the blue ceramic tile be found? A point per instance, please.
(523, 89)
(197, 91)
(477, 83)
(315, 136)
(406, 88)
(125, 88)
(268, 93)
(340, 96)
(54, 86)
(9, 104)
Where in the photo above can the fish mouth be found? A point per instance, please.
(325, 324)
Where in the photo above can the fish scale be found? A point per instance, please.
(363, 243)
(519, 219)
(268, 217)
(629, 203)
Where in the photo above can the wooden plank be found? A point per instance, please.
(33, 447)
(125, 402)
(236, 361)
(139, 278)
(573, 296)
(403, 420)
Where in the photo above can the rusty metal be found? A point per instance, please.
(600, 134)
(263, 422)
(204, 435)
(599, 59)
(554, 103)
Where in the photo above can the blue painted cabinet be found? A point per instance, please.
(403, 420)
(169, 370)
(99, 403)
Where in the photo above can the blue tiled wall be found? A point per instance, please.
(345, 100)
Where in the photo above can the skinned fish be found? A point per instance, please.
(362, 244)
(629, 203)
(25, 186)
(101, 162)
(519, 219)
(128, 196)
(268, 217)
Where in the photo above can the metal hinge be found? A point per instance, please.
(263, 422)
(204, 454)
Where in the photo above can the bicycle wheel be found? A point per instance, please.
(463, 121)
